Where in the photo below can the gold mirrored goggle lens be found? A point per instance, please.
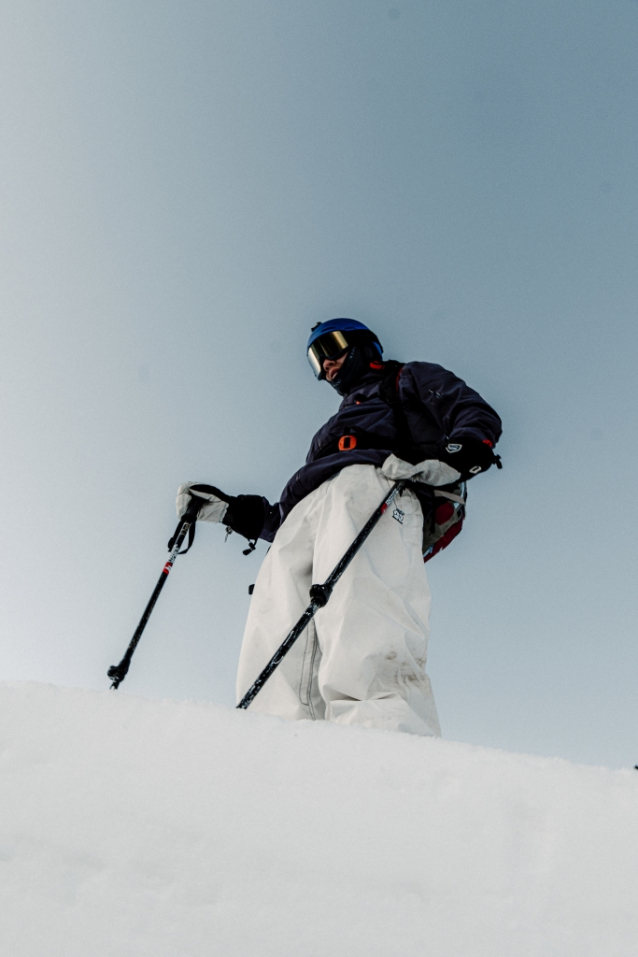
(328, 346)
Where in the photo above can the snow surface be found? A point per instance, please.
(140, 827)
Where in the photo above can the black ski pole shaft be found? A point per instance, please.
(118, 672)
(320, 595)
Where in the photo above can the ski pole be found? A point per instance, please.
(320, 595)
(118, 672)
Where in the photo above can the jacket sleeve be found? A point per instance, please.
(272, 520)
(459, 411)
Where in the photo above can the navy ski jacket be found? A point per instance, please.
(438, 406)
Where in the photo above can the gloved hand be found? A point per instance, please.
(244, 514)
(470, 456)
(430, 472)
(214, 503)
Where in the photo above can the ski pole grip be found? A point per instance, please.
(190, 515)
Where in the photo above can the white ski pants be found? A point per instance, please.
(362, 659)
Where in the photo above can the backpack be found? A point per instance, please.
(448, 514)
(446, 521)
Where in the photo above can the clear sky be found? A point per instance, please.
(186, 188)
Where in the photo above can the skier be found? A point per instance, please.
(362, 658)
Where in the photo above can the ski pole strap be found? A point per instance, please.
(191, 537)
(190, 516)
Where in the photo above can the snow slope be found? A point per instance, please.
(140, 827)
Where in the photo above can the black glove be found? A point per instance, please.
(245, 513)
(469, 456)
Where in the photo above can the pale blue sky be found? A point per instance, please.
(186, 188)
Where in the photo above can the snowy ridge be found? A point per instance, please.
(136, 827)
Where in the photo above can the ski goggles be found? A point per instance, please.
(330, 345)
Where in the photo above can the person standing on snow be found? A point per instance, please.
(362, 658)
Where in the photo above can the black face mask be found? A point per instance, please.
(357, 364)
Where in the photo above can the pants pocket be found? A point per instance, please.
(308, 668)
